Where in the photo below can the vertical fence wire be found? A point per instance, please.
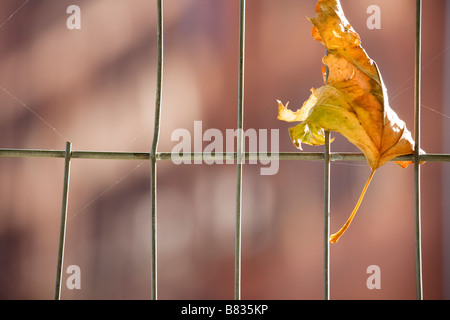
(240, 112)
(62, 231)
(326, 229)
(153, 156)
(417, 107)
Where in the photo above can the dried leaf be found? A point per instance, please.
(353, 100)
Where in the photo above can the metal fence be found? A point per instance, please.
(238, 156)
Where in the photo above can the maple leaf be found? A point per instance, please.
(352, 102)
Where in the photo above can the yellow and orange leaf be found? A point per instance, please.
(353, 101)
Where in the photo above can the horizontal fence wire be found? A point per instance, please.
(191, 156)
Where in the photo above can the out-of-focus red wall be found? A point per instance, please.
(96, 88)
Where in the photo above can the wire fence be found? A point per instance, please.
(239, 156)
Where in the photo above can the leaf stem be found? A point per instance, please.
(335, 237)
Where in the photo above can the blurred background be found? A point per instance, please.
(96, 87)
